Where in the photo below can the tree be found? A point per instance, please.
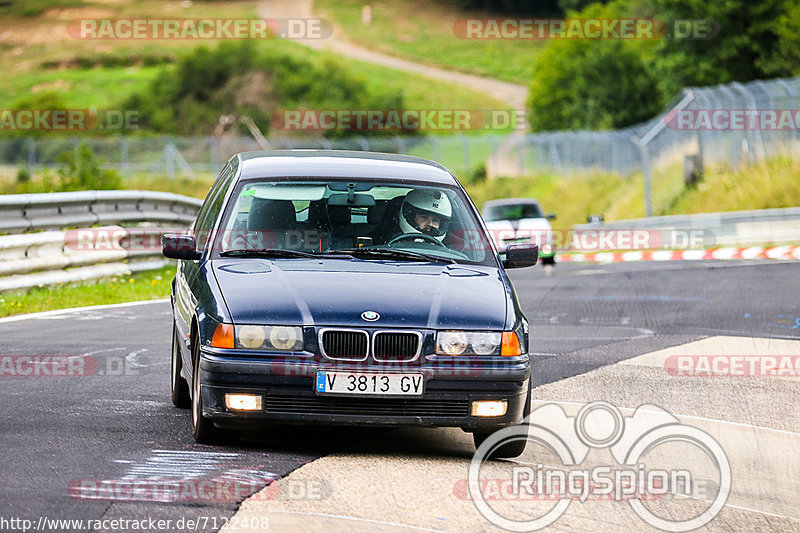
(592, 84)
(753, 40)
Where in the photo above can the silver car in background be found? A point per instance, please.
(520, 220)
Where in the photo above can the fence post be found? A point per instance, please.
(466, 152)
(31, 155)
(648, 208)
(169, 161)
(786, 87)
(123, 156)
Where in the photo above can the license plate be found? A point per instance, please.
(369, 383)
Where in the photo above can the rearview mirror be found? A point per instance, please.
(551, 216)
(177, 246)
(353, 200)
(521, 255)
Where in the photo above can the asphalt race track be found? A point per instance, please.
(74, 446)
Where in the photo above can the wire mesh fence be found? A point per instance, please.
(197, 156)
(731, 124)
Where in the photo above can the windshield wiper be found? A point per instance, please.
(267, 252)
(391, 253)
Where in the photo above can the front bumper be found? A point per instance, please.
(287, 388)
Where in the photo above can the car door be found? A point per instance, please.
(186, 289)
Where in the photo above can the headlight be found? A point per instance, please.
(251, 336)
(468, 343)
(451, 343)
(285, 338)
(485, 343)
(281, 338)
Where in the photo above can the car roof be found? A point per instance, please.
(341, 163)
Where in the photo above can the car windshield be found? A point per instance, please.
(361, 218)
(512, 211)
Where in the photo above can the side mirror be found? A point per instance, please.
(521, 255)
(177, 246)
(551, 216)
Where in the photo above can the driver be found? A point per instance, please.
(427, 212)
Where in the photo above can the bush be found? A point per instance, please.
(23, 175)
(239, 79)
(80, 170)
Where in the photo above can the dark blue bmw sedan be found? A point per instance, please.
(332, 287)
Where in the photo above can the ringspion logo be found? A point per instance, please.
(632, 476)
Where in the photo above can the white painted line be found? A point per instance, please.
(779, 252)
(752, 252)
(724, 253)
(693, 255)
(42, 314)
(661, 255)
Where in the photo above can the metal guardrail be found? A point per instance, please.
(26, 212)
(48, 257)
(743, 228)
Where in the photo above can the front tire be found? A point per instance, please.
(203, 429)
(180, 389)
(510, 449)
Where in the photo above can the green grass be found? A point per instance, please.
(30, 8)
(99, 88)
(423, 31)
(24, 72)
(770, 184)
(197, 187)
(148, 285)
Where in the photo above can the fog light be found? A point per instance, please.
(546, 249)
(243, 402)
(489, 408)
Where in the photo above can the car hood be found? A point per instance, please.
(327, 292)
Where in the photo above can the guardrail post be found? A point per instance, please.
(31, 156)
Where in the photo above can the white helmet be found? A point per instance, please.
(425, 201)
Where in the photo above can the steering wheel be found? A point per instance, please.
(414, 236)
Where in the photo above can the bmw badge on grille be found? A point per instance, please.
(370, 316)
